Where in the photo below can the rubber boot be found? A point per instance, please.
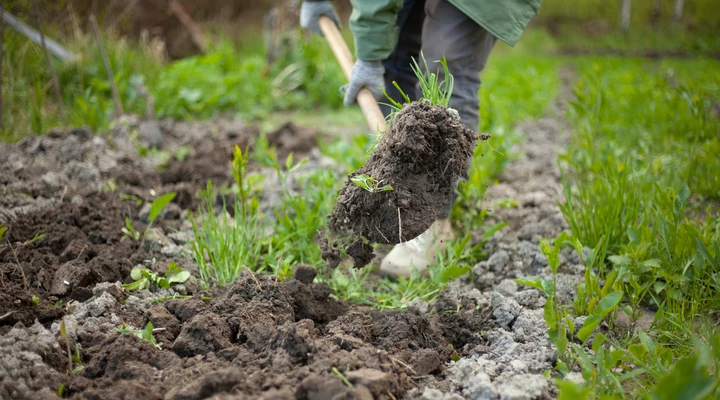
(417, 253)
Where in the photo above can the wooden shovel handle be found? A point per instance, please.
(365, 99)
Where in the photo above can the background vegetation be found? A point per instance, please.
(640, 173)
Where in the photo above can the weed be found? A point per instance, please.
(144, 334)
(3, 229)
(342, 377)
(223, 246)
(370, 184)
(144, 278)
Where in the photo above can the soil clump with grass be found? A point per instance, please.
(407, 182)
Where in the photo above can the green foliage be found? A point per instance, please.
(3, 229)
(144, 278)
(370, 184)
(144, 334)
(223, 245)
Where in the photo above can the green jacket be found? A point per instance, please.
(373, 22)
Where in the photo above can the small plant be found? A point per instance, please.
(129, 231)
(223, 245)
(144, 334)
(144, 278)
(156, 207)
(370, 184)
(35, 300)
(3, 229)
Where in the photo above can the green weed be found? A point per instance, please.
(370, 184)
(144, 334)
(223, 246)
(144, 278)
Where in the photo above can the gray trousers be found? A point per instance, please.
(437, 28)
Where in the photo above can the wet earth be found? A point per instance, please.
(67, 196)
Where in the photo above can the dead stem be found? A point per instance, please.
(2, 317)
(399, 226)
(383, 235)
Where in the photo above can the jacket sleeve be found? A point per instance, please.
(373, 24)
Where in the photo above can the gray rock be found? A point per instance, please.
(531, 231)
(505, 309)
(498, 261)
(172, 250)
(507, 287)
(524, 387)
(156, 240)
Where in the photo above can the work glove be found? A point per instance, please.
(368, 74)
(311, 11)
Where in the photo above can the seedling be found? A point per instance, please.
(35, 300)
(156, 208)
(144, 334)
(3, 229)
(370, 184)
(144, 277)
(129, 231)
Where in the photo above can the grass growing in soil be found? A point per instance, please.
(641, 190)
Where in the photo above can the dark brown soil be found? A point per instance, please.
(258, 339)
(422, 156)
(77, 246)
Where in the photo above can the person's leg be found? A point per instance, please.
(466, 46)
(397, 65)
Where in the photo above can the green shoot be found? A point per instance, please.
(3, 229)
(342, 377)
(144, 278)
(144, 334)
(370, 184)
(433, 89)
(129, 231)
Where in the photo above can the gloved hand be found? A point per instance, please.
(367, 74)
(311, 11)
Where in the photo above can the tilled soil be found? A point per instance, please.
(422, 157)
(65, 199)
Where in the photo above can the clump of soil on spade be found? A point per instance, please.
(422, 156)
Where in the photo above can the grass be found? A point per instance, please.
(227, 79)
(641, 189)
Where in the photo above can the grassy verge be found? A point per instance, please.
(227, 79)
(642, 190)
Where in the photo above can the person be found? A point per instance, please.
(389, 34)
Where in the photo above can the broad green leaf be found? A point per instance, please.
(658, 286)
(136, 273)
(647, 342)
(589, 326)
(598, 341)
(544, 285)
(608, 303)
(570, 390)
(685, 381)
(609, 282)
(137, 285)
(147, 332)
(179, 277)
(549, 313)
(653, 262)
(620, 260)
(633, 236)
(159, 204)
(163, 283)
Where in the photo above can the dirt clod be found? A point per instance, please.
(422, 156)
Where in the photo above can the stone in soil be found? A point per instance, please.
(423, 155)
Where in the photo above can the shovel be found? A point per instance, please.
(369, 106)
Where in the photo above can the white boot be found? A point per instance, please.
(418, 253)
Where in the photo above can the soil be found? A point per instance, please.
(422, 157)
(67, 195)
